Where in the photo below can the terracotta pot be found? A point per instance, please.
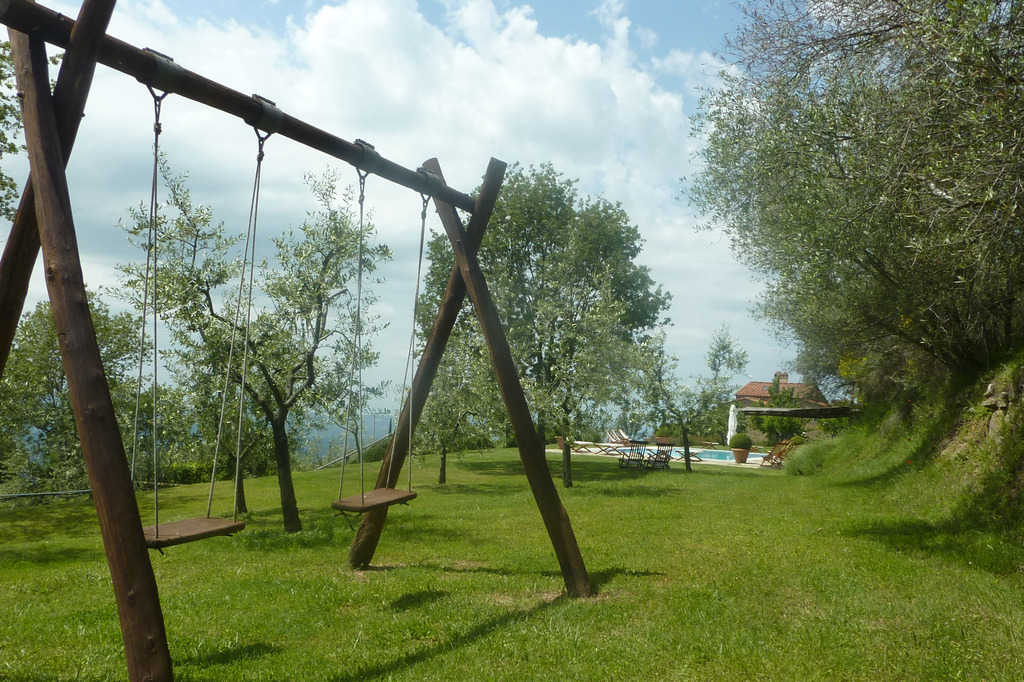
(740, 455)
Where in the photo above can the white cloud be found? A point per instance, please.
(487, 83)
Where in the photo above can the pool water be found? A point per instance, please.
(725, 455)
(720, 455)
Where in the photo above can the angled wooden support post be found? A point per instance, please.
(531, 449)
(142, 625)
(466, 278)
(364, 545)
(69, 97)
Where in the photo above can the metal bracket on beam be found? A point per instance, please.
(270, 118)
(432, 185)
(370, 162)
(167, 76)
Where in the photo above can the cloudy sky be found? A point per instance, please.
(603, 90)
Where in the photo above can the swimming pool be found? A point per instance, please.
(723, 455)
(717, 455)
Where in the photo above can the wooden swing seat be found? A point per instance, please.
(373, 499)
(189, 530)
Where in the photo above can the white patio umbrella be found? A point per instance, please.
(733, 416)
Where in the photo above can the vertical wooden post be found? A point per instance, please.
(364, 544)
(69, 96)
(142, 625)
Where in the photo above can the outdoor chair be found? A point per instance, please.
(614, 439)
(694, 457)
(774, 458)
(611, 444)
(660, 457)
(633, 458)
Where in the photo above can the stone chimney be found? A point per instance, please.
(783, 377)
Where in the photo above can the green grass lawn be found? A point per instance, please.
(723, 574)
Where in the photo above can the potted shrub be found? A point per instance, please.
(740, 445)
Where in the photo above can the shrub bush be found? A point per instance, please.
(741, 441)
(183, 472)
(375, 452)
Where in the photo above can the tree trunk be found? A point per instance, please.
(566, 463)
(240, 505)
(686, 449)
(283, 457)
(442, 476)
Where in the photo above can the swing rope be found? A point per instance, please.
(152, 243)
(406, 379)
(248, 260)
(203, 527)
(359, 331)
(379, 497)
(350, 427)
(151, 237)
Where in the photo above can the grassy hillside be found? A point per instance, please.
(722, 574)
(955, 465)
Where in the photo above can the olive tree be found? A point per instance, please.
(303, 322)
(864, 157)
(572, 298)
(698, 408)
(39, 445)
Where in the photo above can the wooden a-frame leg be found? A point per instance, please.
(364, 545)
(471, 280)
(142, 624)
(531, 449)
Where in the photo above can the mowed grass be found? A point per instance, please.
(722, 574)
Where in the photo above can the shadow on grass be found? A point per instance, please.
(491, 467)
(584, 468)
(52, 555)
(463, 639)
(32, 523)
(417, 599)
(883, 477)
(635, 491)
(454, 641)
(231, 653)
(485, 489)
(975, 547)
(598, 579)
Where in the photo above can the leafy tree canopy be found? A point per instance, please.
(10, 130)
(39, 447)
(304, 321)
(864, 156)
(574, 303)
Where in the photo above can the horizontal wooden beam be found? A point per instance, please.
(801, 412)
(155, 70)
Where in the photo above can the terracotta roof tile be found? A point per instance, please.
(758, 390)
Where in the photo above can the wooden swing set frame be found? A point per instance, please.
(44, 223)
